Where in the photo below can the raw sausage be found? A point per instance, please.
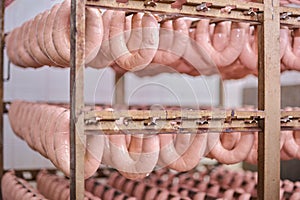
(61, 32)
(119, 51)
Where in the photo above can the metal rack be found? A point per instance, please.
(267, 16)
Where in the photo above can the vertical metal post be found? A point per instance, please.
(77, 137)
(2, 7)
(269, 101)
(119, 89)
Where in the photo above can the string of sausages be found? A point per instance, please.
(139, 43)
(45, 128)
(205, 183)
(15, 188)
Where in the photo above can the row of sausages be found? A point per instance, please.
(215, 182)
(55, 187)
(45, 40)
(138, 41)
(14, 188)
(46, 129)
(218, 183)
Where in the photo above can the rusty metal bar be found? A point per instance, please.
(269, 101)
(77, 137)
(2, 33)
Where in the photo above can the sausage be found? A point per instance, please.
(229, 140)
(249, 54)
(10, 46)
(189, 159)
(34, 46)
(233, 49)
(238, 154)
(119, 51)
(40, 37)
(22, 53)
(104, 57)
(62, 143)
(221, 35)
(290, 59)
(90, 185)
(48, 133)
(235, 71)
(93, 154)
(196, 58)
(131, 167)
(48, 38)
(29, 123)
(291, 145)
(13, 116)
(61, 32)
(173, 37)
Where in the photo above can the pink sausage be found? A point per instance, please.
(290, 59)
(62, 143)
(39, 32)
(248, 56)
(221, 35)
(104, 57)
(235, 71)
(150, 39)
(39, 128)
(61, 32)
(34, 46)
(24, 57)
(48, 38)
(178, 36)
(291, 146)
(143, 165)
(99, 190)
(93, 154)
(229, 140)
(13, 116)
(47, 137)
(238, 154)
(189, 159)
(139, 190)
(233, 49)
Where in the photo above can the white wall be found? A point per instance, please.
(52, 84)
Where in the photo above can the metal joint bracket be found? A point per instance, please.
(202, 121)
(227, 9)
(123, 121)
(151, 121)
(150, 3)
(251, 12)
(252, 120)
(286, 119)
(285, 15)
(92, 121)
(203, 7)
